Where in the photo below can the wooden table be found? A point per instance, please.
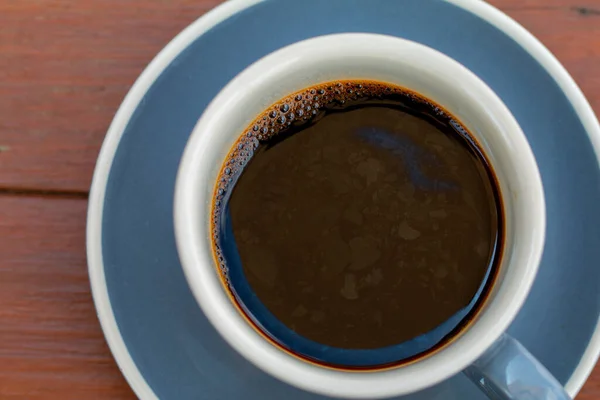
(65, 66)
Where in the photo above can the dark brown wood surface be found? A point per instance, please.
(65, 66)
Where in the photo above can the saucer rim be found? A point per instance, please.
(164, 58)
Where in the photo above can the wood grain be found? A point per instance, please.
(51, 345)
(65, 66)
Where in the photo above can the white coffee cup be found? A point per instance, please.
(409, 65)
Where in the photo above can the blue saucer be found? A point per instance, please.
(162, 341)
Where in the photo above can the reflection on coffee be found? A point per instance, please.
(357, 215)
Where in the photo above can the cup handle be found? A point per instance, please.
(507, 371)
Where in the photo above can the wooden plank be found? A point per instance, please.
(591, 390)
(54, 111)
(588, 6)
(65, 66)
(51, 345)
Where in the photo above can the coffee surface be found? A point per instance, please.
(362, 216)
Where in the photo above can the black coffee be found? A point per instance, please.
(360, 216)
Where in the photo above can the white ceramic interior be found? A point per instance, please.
(397, 61)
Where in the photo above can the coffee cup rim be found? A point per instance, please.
(194, 184)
